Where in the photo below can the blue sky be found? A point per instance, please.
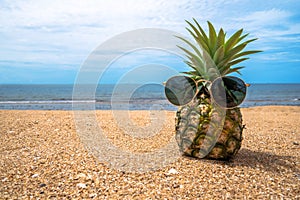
(48, 41)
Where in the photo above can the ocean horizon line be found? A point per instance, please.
(62, 96)
(292, 83)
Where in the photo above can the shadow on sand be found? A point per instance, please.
(263, 160)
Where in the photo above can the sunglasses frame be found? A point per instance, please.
(209, 90)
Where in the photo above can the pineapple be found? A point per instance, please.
(203, 128)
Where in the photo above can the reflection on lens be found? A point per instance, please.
(228, 91)
(180, 90)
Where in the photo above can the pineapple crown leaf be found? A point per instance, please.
(203, 34)
(195, 66)
(234, 39)
(190, 44)
(213, 38)
(221, 38)
(236, 69)
(192, 57)
(219, 54)
(234, 62)
(201, 38)
(214, 51)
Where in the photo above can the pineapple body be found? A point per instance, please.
(202, 130)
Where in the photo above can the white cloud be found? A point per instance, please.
(265, 17)
(278, 34)
(65, 32)
(72, 29)
(87, 13)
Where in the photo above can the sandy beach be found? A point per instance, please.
(42, 156)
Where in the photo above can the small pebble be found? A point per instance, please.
(34, 175)
(172, 171)
(81, 185)
(10, 131)
(42, 185)
(295, 143)
(5, 179)
(80, 175)
(93, 195)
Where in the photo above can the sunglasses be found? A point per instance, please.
(227, 91)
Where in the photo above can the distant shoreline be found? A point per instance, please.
(61, 97)
(169, 110)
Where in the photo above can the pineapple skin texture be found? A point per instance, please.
(202, 132)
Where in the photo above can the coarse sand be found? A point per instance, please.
(42, 156)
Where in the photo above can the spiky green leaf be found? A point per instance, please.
(191, 45)
(242, 37)
(221, 38)
(212, 39)
(199, 38)
(195, 73)
(195, 61)
(233, 40)
(193, 64)
(219, 54)
(234, 62)
(236, 69)
(244, 53)
(231, 53)
(204, 36)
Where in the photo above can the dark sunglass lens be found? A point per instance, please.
(180, 90)
(228, 91)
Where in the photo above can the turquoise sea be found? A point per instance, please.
(145, 97)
